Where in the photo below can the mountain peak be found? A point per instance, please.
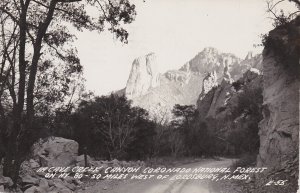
(158, 93)
(210, 59)
(210, 50)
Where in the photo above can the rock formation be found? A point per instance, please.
(279, 133)
(56, 152)
(226, 74)
(220, 110)
(34, 180)
(143, 76)
(158, 93)
(209, 82)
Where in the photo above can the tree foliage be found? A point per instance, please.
(39, 65)
(110, 128)
(280, 16)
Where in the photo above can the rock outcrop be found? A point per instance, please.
(209, 82)
(159, 93)
(224, 113)
(143, 76)
(226, 74)
(279, 130)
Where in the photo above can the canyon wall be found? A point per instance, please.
(279, 130)
(230, 112)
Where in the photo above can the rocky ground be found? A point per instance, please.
(57, 152)
(63, 152)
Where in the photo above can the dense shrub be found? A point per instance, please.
(286, 50)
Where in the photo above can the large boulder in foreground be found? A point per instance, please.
(56, 151)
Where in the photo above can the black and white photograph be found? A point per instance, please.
(149, 96)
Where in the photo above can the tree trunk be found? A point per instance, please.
(85, 157)
(12, 159)
(12, 164)
(19, 144)
(20, 138)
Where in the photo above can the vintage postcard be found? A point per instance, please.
(149, 96)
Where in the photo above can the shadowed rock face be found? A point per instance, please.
(280, 126)
(220, 111)
(279, 130)
(158, 93)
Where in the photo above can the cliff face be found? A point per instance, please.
(279, 130)
(208, 83)
(158, 93)
(229, 111)
(143, 76)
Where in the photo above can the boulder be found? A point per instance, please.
(56, 152)
(6, 181)
(59, 185)
(50, 182)
(27, 179)
(43, 184)
(70, 186)
(35, 189)
(32, 189)
(33, 164)
(65, 190)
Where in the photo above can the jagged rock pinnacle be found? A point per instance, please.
(143, 76)
(209, 81)
(226, 74)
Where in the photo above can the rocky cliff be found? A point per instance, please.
(143, 76)
(229, 109)
(158, 93)
(279, 130)
(209, 82)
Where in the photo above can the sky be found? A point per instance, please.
(175, 30)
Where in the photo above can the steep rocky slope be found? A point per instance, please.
(280, 126)
(158, 93)
(229, 109)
